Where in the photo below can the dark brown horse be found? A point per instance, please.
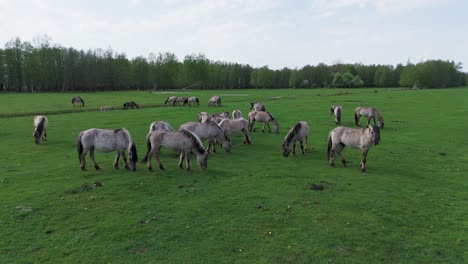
(130, 104)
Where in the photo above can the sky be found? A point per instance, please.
(258, 32)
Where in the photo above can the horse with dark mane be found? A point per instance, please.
(236, 125)
(370, 113)
(214, 101)
(193, 100)
(182, 141)
(337, 110)
(210, 131)
(77, 100)
(170, 100)
(362, 138)
(106, 140)
(40, 128)
(265, 117)
(299, 132)
(257, 106)
(163, 125)
(181, 100)
(130, 104)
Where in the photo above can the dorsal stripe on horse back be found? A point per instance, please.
(293, 132)
(195, 140)
(117, 130)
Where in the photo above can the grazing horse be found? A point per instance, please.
(210, 131)
(362, 138)
(182, 141)
(40, 128)
(170, 100)
(300, 131)
(130, 104)
(193, 100)
(204, 117)
(257, 106)
(265, 117)
(163, 125)
(370, 113)
(236, 125)
(106, 108)
(77, 100)
(337, 110)
(214, 101)
(181, 100)
(106, 140)
(237, 113)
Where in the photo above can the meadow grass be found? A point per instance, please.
(251, 205)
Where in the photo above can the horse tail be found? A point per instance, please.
(329, 145)
(356, 118)
(134, 152)
(148, 148)
(82, 101)
(79, 145)
(338, 115)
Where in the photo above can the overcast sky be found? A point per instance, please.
(257, 32)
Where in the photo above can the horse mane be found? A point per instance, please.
(195, 140)
(271, 116)
(117, 130)
(293, 132)
(226, 137)
(377, 134)
(40, 126)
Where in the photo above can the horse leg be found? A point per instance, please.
(125, 159)
(83, 159)
(338, 151)
(268, 124)
(363, 161)
(161, 167)
(263, 128)
(91, 155)
(148, 162)
(44, 137)
(368, 120)
(294, 148)
(302, 147)
(331, 153)
(246, 136)
(187, 161)
(305, 147)
(181, 159)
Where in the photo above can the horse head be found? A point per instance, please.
(286, 149)
(375, 133)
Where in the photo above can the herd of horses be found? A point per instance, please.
(215, 128)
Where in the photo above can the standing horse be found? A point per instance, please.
(181, 100)
(106, 140)
(236, 125)
(210, 131)
(257, 106)
(40, 128)
(237, 113)
(370, 113)
(362, 138)
(265, 117)
(300, 131)
(170, 101)
(106, 108)
(337, 110)
(218, 117)
(130, 104)
(214, 101)
(77, 100)
(203, 117)
(182, 141)
(193, 100)
(163, 125)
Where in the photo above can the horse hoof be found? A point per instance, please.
(116, 167)
(150, 169)
(127, 168)
(97, 168)
(83, 168)
(344, 162)
(161, 167)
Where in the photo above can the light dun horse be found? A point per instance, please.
(193, 100)
(265, 117)
(163, 125)
(299, 132)
(77, 101)
(40, 128)
(236, 125)
(210, 131)
(237, 113)
(337, 110)
(130, 104)
(370, 113)
(170, 100)
(181, 100)
(204, 117)
(214, 101)
(257, 106)
(106, 108)
(182, 141)
(106, 140)
(362, 138)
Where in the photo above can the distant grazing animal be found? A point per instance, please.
(40, 128)
(214, 101)
(370, 113)
(337, 110)
(236, 125)
(170, 100)
(362, 138)
(181, 100)
(237, 113)
(78, 101)
(210, 131)
(299, 132)
(130, 104)
(265, 117)
(193, 100)
(163, 125)
(182, 141)
(106, 140)
(106, 108)
(257, 106)
(204, 117)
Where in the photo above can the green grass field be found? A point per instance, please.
(251, 205)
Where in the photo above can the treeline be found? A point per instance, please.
(42, 67)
